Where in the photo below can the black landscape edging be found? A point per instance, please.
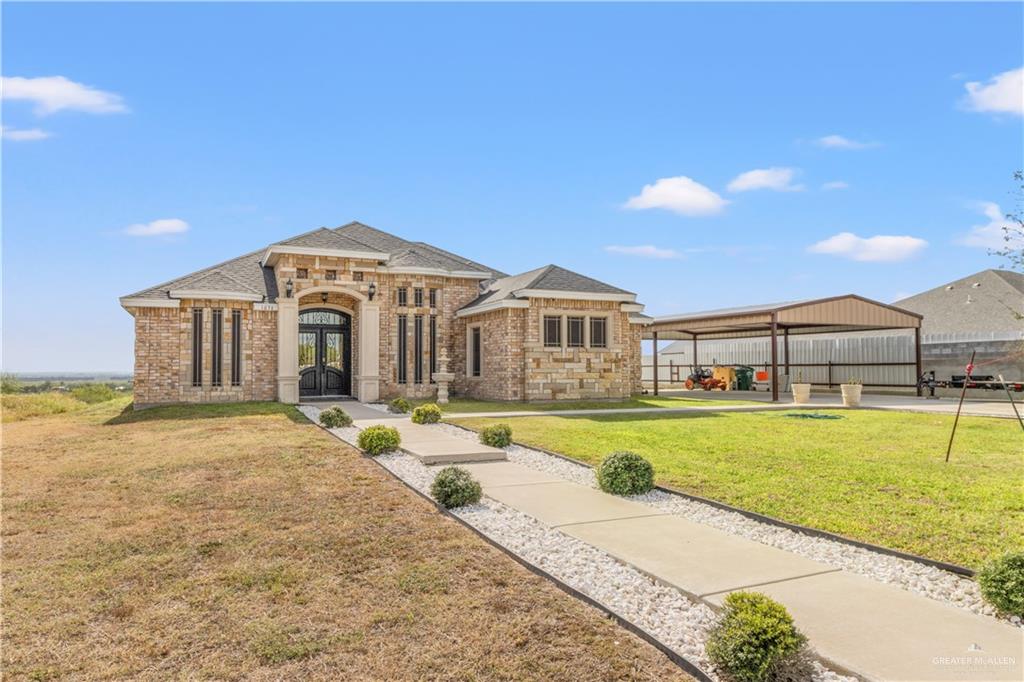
(814, 532)
(683, 663)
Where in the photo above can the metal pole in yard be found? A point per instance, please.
(963, 392)
(917, 360)
(1007, 389)
(655, 336)
(775, 359)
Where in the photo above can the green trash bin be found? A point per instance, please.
(744, 378)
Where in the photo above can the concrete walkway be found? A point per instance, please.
(430, 446)
(867, 628)
(898, 403)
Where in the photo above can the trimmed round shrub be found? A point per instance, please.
(1002, 583)
(426, 414)
(399, 405)
(379, 439)
(335, 418)
(755, 640)
(625, 473)
(454, 487)
(496, 435)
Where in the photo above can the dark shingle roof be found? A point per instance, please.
(245, 274)
(547, 278)
(985, 302)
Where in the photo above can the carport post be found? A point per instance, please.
(917, 360)
(775, 358)
(694, 352)
(785, 347)
(654, 335)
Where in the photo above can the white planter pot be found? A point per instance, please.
(851, 394)
(801, 393)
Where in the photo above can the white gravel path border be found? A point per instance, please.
(927, 581)
(675, 620)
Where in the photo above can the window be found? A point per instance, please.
(218, 348)
(598, 332)
(417, 297)
(433, 346)
(357, 277)
(236, 347)
(417, 349)
(433, 298)
(403, 327)
(197, 346)
(575, 332)
(302, 273)
(474, 352)
(331, 274)
(403, 296)
(552, 330)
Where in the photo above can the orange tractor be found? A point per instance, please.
(705, 378)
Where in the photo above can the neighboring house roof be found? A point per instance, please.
(985, 302)
(247, 277)
(550, 281)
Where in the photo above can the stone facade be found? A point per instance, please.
(516, 365)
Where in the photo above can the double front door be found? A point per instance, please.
(325, 353)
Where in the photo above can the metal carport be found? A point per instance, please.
(814, 316)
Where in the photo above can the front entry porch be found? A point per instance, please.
(328, 344)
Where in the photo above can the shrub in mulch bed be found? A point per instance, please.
(379, 439)
(756, 640)
(496, 435)
(625, 473)
(426, 414)
(454, 487)
(399, 405)
(335, 418)
(1002, 583)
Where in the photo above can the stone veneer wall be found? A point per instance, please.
(163, 354)
(581, 373)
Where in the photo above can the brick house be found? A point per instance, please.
(354, 311)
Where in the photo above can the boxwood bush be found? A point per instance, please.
(379, 439)
(399, 405)
(426, 414)
(454, 487)
(335, 418)
(755, 640)
(625, 473)
(1002, 583)
(496, 435)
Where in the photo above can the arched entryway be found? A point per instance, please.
(325, 352)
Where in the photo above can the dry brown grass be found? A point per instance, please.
(259, 547)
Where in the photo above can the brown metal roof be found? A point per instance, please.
(813, 316)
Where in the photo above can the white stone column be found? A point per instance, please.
(288, 350)
(369, 352)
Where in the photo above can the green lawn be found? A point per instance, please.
(874, 476)
(457, 405)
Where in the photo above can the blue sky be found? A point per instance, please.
(516, 135)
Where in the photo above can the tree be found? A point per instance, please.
(10, 384)
(1013, 234)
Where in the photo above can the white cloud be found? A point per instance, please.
(55, 93)
(23, 135)
(836, 184)
(778, 179)
(157, 228)
(680, 195)
(644, 251)
(840, 142)
(1003, 94)
(881, 248)
(990, 235)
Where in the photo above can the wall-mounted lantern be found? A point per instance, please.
(288, 288)
(372, 291)
(323, 297)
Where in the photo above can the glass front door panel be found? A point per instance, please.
(307, 350)
(333, 350)
(324, 353)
